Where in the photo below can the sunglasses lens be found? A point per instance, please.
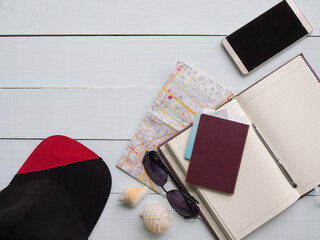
(182, 205)
(154, 170)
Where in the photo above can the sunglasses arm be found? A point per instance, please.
(177, 183)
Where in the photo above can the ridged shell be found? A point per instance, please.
(133, 195)
(156, 217)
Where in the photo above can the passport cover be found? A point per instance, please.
(221, 114)
(217, 153)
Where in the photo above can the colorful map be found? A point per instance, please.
(186, 92)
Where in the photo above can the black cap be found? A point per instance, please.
(59, 193)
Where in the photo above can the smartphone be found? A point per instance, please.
(267, 35)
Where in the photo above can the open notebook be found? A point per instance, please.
(285, 106)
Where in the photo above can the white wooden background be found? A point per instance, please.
(90, 70)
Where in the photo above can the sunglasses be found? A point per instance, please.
(180, 200)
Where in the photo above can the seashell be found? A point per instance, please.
(156, 217)
(133, 195)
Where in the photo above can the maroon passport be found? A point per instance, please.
(217, 153)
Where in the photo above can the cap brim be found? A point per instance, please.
(81, 172)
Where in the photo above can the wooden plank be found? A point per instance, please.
(136, 16)
(300, 221)
(82, 114)
(127, 61)
(14, 152)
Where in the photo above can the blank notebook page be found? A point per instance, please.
(285, 106)
(261, 192)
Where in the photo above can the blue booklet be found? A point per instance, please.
(220, 114)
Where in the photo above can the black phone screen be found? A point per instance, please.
(266, 35)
